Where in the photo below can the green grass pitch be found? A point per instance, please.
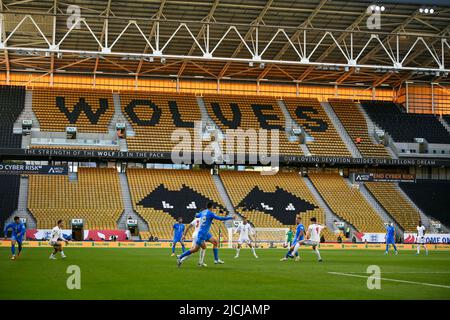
(152, 274)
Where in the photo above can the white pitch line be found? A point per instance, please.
(393, 280)
(405, 272)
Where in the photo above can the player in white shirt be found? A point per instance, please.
(421, 238)
(196, 224)
(56, 238)
(313, 237)
(245, 231)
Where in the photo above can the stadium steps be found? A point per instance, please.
(379, 209)
(123, 145)
(26, 141)
(225, 199)
(119, 117)
(423, 217)
(341, 130)
(372, 128)
(22, 205)
(206, 121)
(27, 114)
(329, 214)
(445, 124)
(73, 177)
(291, 124)
(128, 205)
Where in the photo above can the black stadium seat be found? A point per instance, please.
(12, 100)
(432, 197)
(404, 127)
(9, 196)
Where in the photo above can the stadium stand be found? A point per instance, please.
(88, 110)
(431, 196)
(347, 202)
(9, 196)
(74, 147)
(12, 100)
(94, 197)
(154, 116)
(272, 201)
(311, 116)
(393, 202)
(356, 126)
(250, 112)
(404, 127)
(160, 196)
(447, 119)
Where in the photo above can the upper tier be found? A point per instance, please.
(404, 127)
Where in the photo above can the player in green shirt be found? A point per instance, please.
(289, 236)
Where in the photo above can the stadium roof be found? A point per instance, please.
(229, 39)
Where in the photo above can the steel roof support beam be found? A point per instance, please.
(200, 34)
(385, 41)
(154, 29)
(103, 36)
(52, 55)
(302, 58)
(294, 37)
(330, 49)
(247, 36)
(3, 36)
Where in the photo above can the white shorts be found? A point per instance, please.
(421, 240)
(244, 240)
(310, 243)
(194, 239)
(53, 243)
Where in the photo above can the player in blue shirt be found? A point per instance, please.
(207, 217)
(18, 231)
(390, 237)
(299, 235)
(178, 230)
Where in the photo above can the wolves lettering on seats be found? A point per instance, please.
(82, 105)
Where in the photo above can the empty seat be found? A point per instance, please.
(9, 196)
(311, 116)
(88, 110)
(12, 101)
(405, 127)
(94, 197)
(395, 204)
(347, 202)
(160, 196)
(250, 113)
(156, 116)
(272, 201)
(354, 123)
(432, 197)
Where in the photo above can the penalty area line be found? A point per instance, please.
(392, 280)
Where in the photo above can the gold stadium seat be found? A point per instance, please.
(94, 197)
(354, 123)
(268, 116)
(155, 116)
(249, 190)
(177, 189)
(311, 116)
(347, 202)
(395, 203)
(88, 110)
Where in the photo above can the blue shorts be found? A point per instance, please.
(175, 240)
(390, 241)
(18, 239)
(202, 238)
(294, 242)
